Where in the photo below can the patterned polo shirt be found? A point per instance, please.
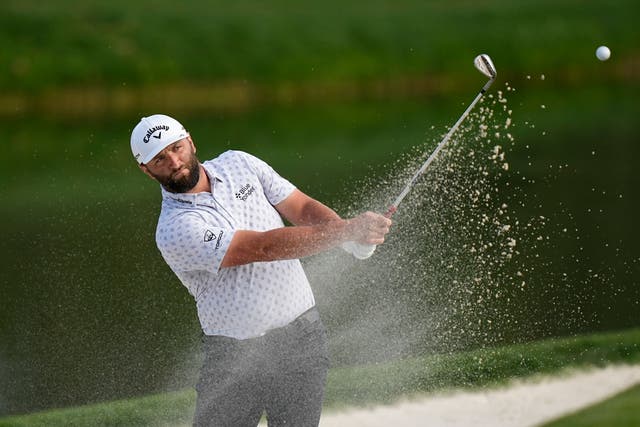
(194, 232)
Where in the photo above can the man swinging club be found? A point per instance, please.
(221, 232)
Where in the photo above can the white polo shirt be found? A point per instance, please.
(195, 230)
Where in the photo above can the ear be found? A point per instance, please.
(144, 169)
(193, 146)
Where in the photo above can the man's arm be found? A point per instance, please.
(317, 228)
(283, 243)
(300, 209)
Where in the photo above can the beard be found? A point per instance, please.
(184, 183)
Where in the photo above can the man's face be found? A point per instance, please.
(176, 167)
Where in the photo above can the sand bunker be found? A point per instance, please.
(522, 403)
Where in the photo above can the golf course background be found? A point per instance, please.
(384, 383)
(337, 97)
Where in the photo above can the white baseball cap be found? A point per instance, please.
(153, 134)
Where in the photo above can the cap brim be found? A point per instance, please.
(159, 148)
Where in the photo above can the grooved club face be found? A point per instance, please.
(484, 64)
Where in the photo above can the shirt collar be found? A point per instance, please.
(192, 198)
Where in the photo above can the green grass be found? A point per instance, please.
(167, 409)
(120, 43)
(493, 366)
(364, 385)
(619, 411)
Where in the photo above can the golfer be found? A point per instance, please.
(221, 232)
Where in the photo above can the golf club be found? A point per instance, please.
(484, 64)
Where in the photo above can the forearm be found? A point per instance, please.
(301, 209)
(285, 243)
(314, 212)
(317, 228)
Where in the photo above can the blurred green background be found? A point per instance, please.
(340, 98)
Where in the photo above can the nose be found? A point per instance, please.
(174, 160)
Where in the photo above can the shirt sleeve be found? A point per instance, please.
(276, 188)
(188, 243)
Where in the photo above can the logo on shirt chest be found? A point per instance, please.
(245, 191)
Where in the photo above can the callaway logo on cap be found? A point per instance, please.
(153, 130)
(153, 134)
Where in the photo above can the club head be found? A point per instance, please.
(484, 64)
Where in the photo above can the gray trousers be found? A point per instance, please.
(282, 373)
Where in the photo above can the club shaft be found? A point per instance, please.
(435, 152)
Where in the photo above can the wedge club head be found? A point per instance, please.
(484, 64)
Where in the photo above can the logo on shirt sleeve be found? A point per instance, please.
(219, 239)
(209, 236)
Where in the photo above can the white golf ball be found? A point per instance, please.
(603, 53)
